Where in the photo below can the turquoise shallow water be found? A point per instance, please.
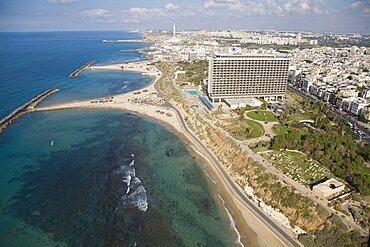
(73, 192)
(94, 177)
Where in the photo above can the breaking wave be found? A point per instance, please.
(232, 224)
(135, 196)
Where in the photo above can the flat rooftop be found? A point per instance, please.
(249, 56)
(242, 100)
(329, 185)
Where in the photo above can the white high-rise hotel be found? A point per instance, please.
(233, 76)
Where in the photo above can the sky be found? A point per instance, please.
(340, 16)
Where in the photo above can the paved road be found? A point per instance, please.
(238, 192)
(337, 112)
(303, 190)
(234, 188)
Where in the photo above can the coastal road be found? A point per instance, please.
(301, 189)
(236, 190)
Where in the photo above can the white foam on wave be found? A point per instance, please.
(232, 223)
(211, 178)
(127, 180)
(126, 170)
(136, 181)
(137, 199)
(128, 173)
(135, 196)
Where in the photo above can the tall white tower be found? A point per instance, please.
(299, 37)
(174, 30)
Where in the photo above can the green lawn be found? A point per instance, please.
(281, 129)
(257, 128)
(297, 166)
(241, 128)
(265, 116)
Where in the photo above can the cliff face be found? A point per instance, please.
(287, 206)
(299, 210)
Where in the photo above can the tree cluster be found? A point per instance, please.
(333, 145)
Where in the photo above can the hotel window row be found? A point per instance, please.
(233, 76)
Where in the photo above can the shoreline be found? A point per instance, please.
(260, 235)
(141, 67)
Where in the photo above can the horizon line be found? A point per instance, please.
(181, 30)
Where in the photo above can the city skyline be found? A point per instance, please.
(283, 15)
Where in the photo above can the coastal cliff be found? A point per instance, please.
(321, 227)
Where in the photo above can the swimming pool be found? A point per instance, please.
(192, 92)
(206, 102)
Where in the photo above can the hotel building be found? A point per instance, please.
(233, 76)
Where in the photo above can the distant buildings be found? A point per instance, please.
(235, 75)
(339, 76)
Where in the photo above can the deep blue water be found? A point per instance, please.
(94, 177)
(34, 62)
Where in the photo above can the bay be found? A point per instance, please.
(94, 177)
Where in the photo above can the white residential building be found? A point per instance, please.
(357, 105)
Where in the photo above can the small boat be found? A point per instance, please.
(52, 143)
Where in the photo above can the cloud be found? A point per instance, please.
(263, 7)
(274, 7)
(63, 1)
(318, 11)
(230, 4)
(135, 14)
(355, 5)
(97, 13)
(360, 7)
(299, 6)
(168, 11)
(211, 8)
(234, 8)
(171, 6)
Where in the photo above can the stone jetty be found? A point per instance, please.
(25, 108)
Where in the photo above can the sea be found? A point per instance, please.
(95, 177)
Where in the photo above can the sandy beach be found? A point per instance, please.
(253, 232)
(144, 67)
